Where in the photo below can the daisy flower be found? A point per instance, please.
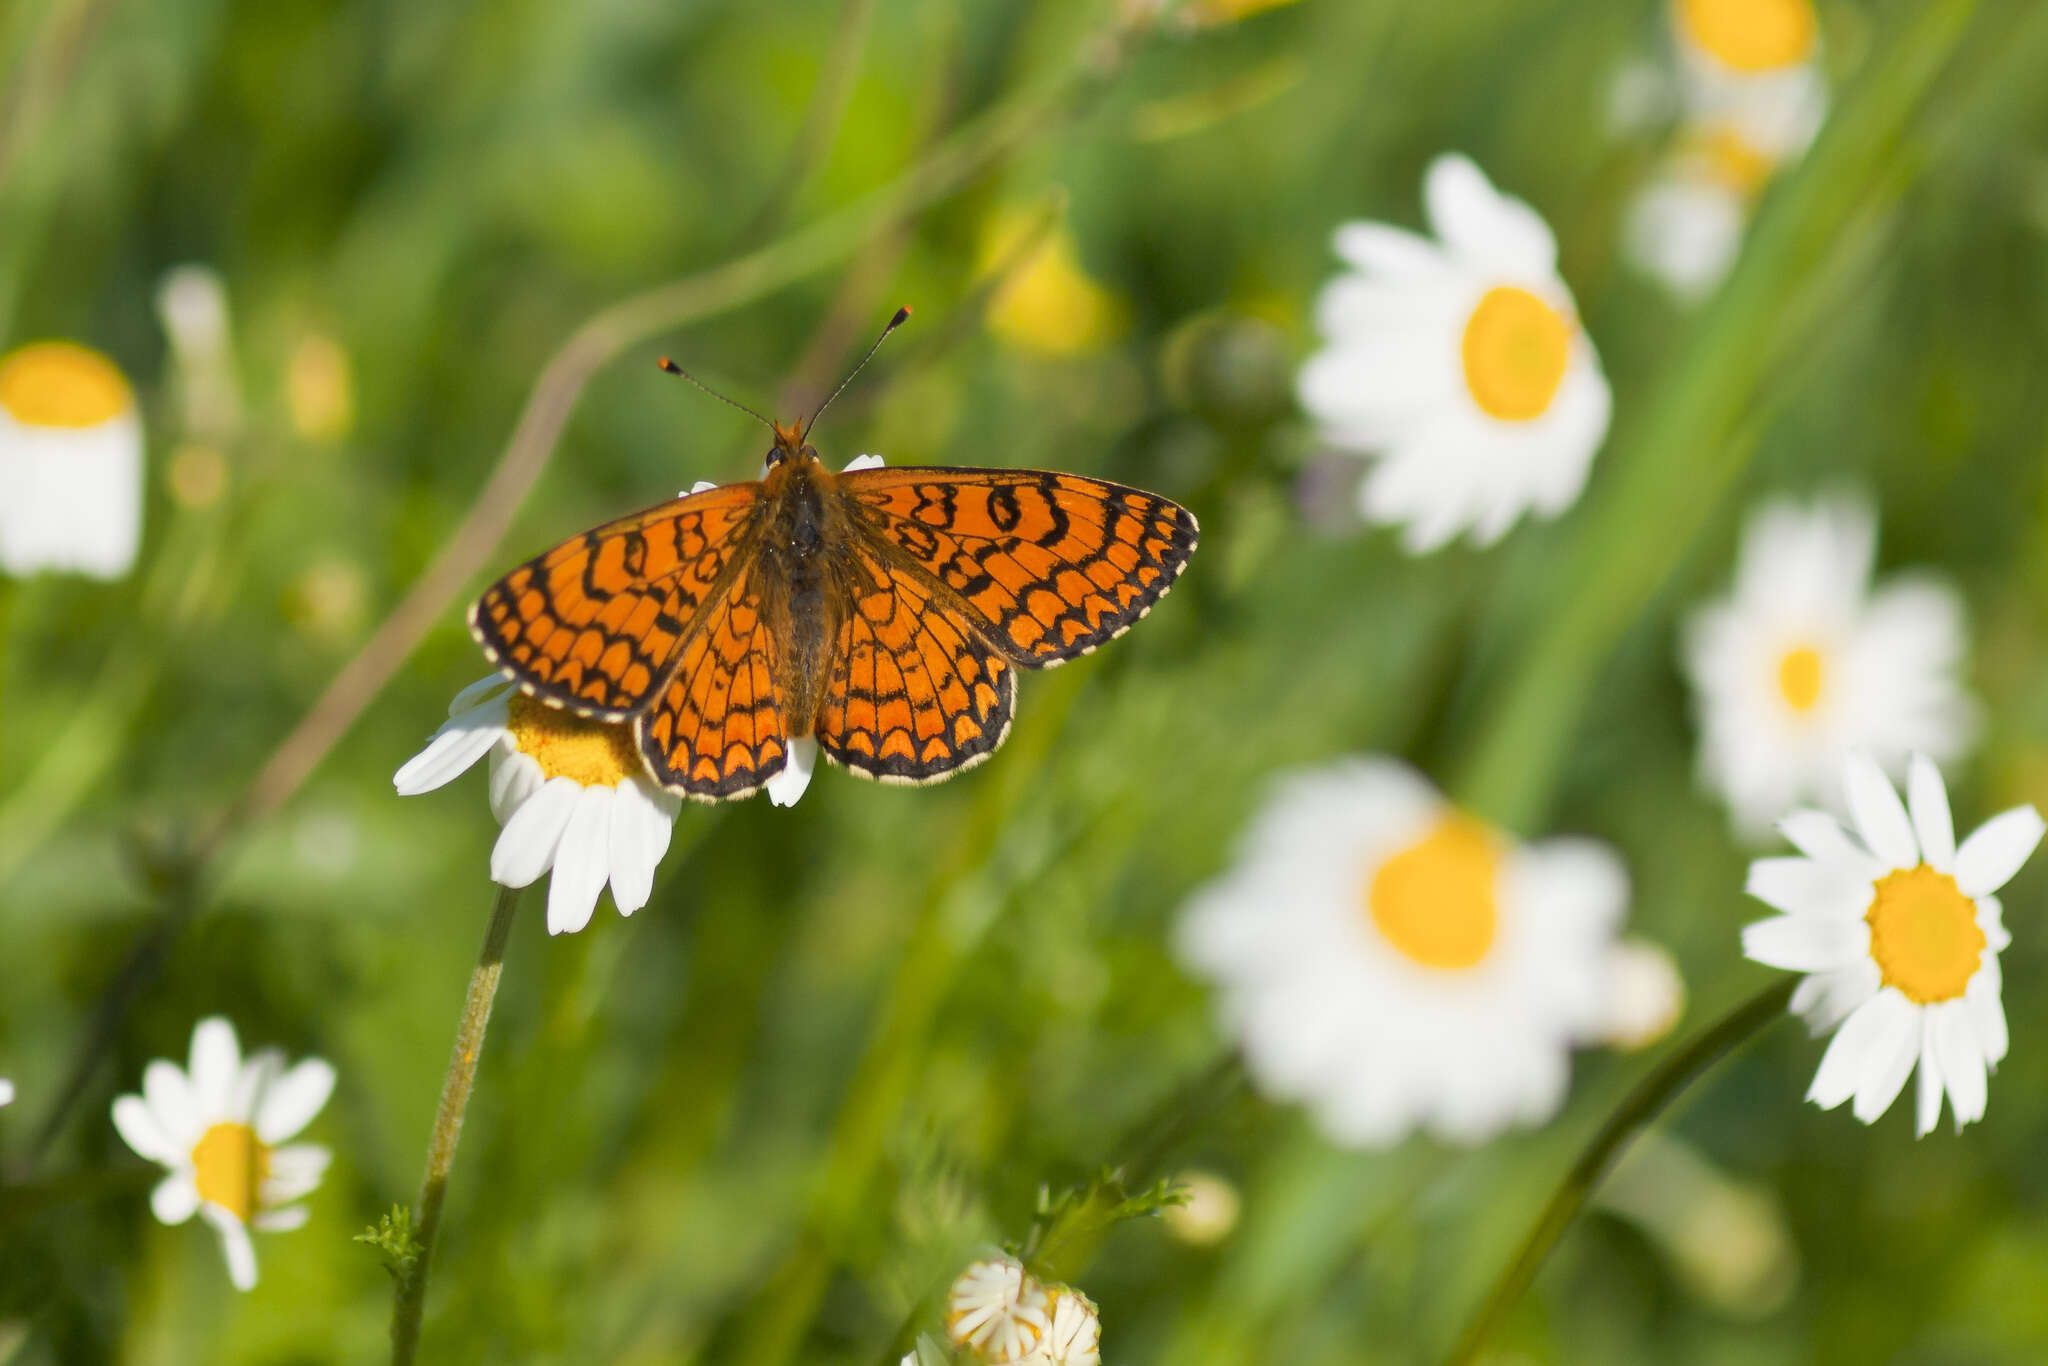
(1897, 929)
(218, 1128)
(1752, 66)
(1394, 964)
(1803, 662)
(70, 461)
(1459, 365)
(998, 1311)
(571, 793)
(1686, 226)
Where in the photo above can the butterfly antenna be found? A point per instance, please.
(674, 369)
(902, 317)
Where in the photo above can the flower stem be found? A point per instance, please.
(410, 1300)
(1636, 1111)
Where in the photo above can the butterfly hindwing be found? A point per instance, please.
(593, 624)
(717, 728)
(1055, 564)
(915, 691)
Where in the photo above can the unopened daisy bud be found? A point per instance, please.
(1208, 1211)
(220, 1127)
(6, 1091)
(192, 304)
(998, 1311)
(1074, 1336)
(1645, 995)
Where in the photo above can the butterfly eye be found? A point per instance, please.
(776, 455)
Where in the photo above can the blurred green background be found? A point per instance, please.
(846, 1043)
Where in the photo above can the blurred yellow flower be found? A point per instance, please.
(320, 389)
(1047, 303)
(70, 463)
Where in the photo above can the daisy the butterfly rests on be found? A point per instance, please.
(881, 612)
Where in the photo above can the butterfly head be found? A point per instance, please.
(789, 444)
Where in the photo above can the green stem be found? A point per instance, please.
(1642, 1105)
(410, 1300)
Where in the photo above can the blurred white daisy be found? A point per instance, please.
(1395, 964)
(571, 793)
(1803, 662)
(1899, 933)
(1459, 364)
(998, 1311)
(219, 1128)
(1686, 225)
(70, 463)
(6, 1091)
(1752, 66)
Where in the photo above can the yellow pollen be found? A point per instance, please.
(229, 1166)
(1799, 677)
(1924, 934)
(1516, 348)
(59, 384)
(1434, 901)
(1750, 35)
(593, 753)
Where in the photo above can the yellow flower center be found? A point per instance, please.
(1750, 35)
(1434, 901)
(229, 1166)
(1799, 677)
(59, 384)
(593, 753)
(1732, 160)
(1924, 934)
(1516, 348)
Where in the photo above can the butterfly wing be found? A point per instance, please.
(916, 691)
(1052, 565)
(594, 624)
(717, 727)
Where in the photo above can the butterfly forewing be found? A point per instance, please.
(916, 690)
(1052, 564)
(594, 624)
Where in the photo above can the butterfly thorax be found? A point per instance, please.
(802, 541)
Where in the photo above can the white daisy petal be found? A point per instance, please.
(514, 778)
(216, 1065)
(289, 1103)
(295, 1170)
(526, 846)
(1821, 837)
(1825, 999)
(1860, 1045)
(1484, 225)
(863, 462)
(1894, 1048)
(1927, 1103)
(1380, 249)
(175, 1199)
(492, 688)
(1987, 860)
(454, 749)
(639, 837)
(1806, 943)
(1880, 817)
(179, 1116)
(1927, 798)
(137, 1125)
(788, 785)
(1962, 1060)
(1800, 886)
(282, 1220)
(581, 861)
(1987, 1017)
(235, 1245)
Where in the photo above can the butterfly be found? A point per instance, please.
(882, 612)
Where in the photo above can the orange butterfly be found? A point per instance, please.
(882, 611)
